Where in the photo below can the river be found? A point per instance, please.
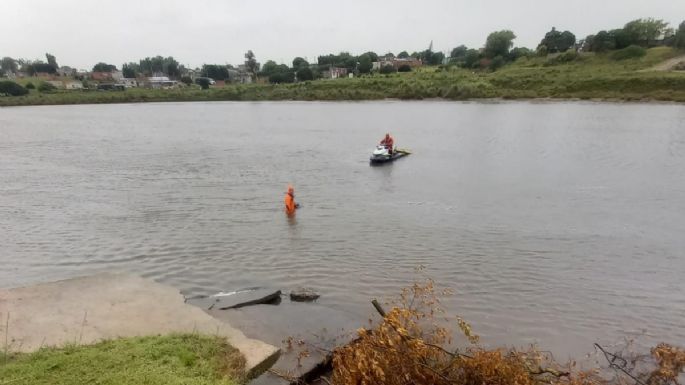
(555, 223)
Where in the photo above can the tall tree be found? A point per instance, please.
(436, 58)
(103, 67)
(171, 67)
(499, 43)
(8, 65)
(40, 67)
(305, 73)
(372, 55)
(365, 63)
(52, 60)
(128, 70)
(622, 38)
(471, 58)
(403, 55)
(555, 41)
(299, 62)
(679, 41)
(269, 67)
(251, 63)
(458, 53)
(215, 71)
(645, 31)
(601, 42)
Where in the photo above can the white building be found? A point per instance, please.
(160, 82)
(73, 85)
(117, 75)
(128, 82)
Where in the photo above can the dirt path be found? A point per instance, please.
(669, 64)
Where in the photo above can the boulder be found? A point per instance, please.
(304, 294)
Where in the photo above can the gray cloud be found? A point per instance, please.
(82, 32)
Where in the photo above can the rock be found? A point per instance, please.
(303, 294)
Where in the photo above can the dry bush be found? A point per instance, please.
(408, 347)
(670, 362)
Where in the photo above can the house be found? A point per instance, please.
(101, 76)
(408, 61)
(73, 85)
(117, 75)
(239, 76)
(128, 82)
(396, 62)
(66, 71)
(160, 82)
(334, 72)
(192, 73)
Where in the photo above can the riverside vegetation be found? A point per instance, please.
(409, 346)
(412, 344)
(619, 75)
(187, 359)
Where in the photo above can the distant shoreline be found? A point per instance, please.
(496, 100)
(587, 78)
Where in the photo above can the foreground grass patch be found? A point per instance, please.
(186, 359)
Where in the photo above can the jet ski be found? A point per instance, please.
(382, 155)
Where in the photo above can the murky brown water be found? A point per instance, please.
(556, 223)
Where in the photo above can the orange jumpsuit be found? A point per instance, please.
(388, 143)
(290, 204)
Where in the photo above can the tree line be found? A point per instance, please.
(497, 51)
(11, 65)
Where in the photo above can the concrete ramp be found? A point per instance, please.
(105, 306)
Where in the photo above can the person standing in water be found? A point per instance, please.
(290, 205)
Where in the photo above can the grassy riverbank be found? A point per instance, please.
(186, 359)
(586, 76)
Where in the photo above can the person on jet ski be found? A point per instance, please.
(388, 143)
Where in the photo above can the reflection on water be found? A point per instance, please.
(557, 223)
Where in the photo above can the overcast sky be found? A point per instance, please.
(81, 33)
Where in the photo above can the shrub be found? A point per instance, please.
(404, 68)
(304, 74)
(203, 82)
(282, 77)
(186, 80)
(30, 86)
(387, 69)
(630, 52)
(11, 88)
(497, 63)
(565, 57)
(46, 87)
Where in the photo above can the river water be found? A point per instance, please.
(556, 223)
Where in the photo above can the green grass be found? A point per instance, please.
(588, 76)
(186, 359)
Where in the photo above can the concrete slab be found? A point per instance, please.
(89, 309)
(322, 328)
(237, 299)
